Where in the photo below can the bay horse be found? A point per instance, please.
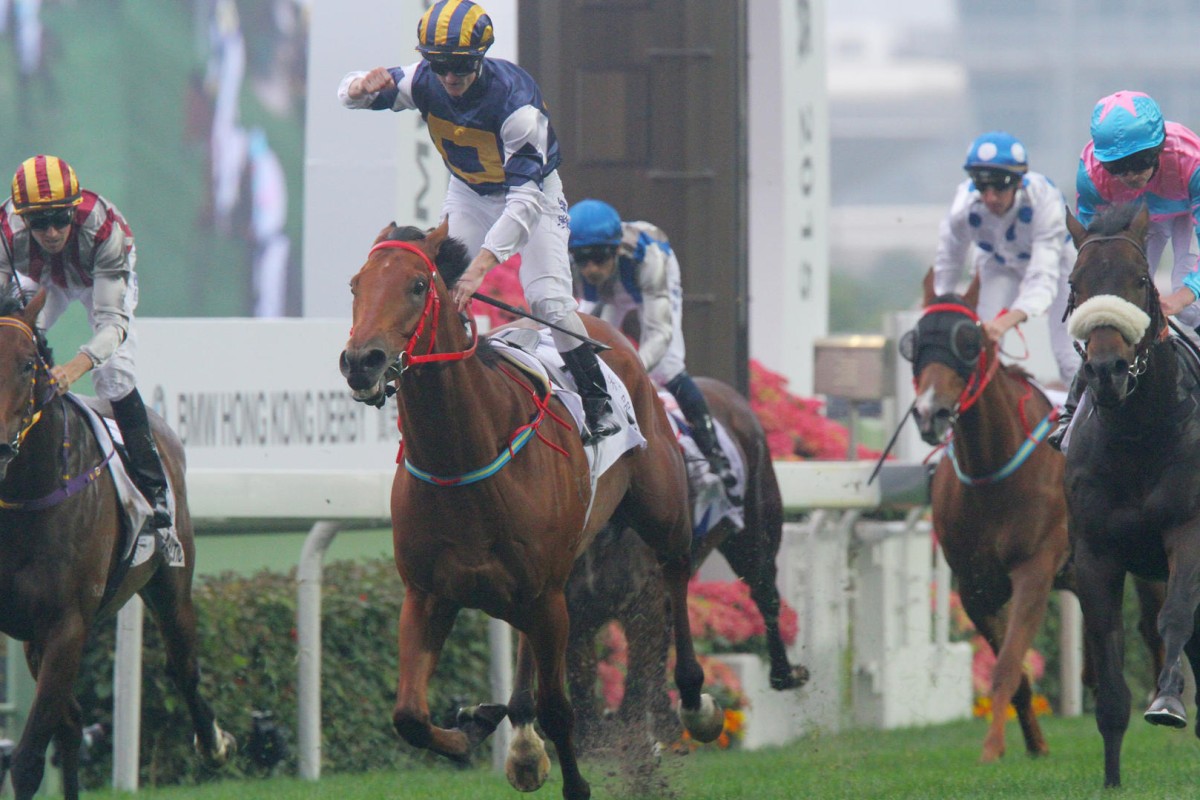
(504, 543)
(617, 579)
(1133, 468)
(62, 568)
(997, 499)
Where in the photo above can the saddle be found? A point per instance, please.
(140, 541)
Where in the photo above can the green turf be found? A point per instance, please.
(936, 762)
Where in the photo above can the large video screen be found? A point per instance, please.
(189, 116)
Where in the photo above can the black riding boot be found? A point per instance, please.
(695, 409)
(589, 380)
(144, 463)
(1064, 420)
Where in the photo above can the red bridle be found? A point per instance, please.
(433, 304)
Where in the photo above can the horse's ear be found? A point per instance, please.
(1140, 224)
(383, 234)
(972, 295)
(29, 315)
(1078, 232)
(434, 239)
(928, 284)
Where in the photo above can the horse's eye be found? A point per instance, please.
(419, 288)
(28, 367)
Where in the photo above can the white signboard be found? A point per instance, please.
(252, 394)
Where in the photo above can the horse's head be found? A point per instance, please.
(24, 377)
(401, 306)
(1114, 304)
(948, 352)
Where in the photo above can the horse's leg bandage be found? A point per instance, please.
(1109, 310)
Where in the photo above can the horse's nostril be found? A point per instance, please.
(1120, 366)
(1089, 370)
(374, 360)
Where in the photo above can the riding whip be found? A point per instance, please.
(892, 442)
(500, 304)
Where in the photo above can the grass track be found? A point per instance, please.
(938, 762)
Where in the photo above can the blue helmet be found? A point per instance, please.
(594, 222)
(1125, 123)
(997, 150)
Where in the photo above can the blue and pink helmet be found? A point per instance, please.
(1125, 123)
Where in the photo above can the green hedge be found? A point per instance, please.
(248, 662)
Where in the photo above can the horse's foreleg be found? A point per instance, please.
(751, 554)
(991, 627)
(1031, 584)
(1151, 595)
(54, 712)
(547, 642)
(1176, 621)
(425, 622)
(527, 765)
(699, 713)
(1101, 587)
(169, 597)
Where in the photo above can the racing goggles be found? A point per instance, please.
(457, 65)
(1137, 162)
(593, 253)
(58, 218)
(996, 179)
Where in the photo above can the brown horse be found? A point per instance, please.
(997, 498)
(61, 556)
(500, 533)
(1133, 468)
(617, 579)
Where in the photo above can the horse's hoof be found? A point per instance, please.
(705, 723)
(226, 748)
(1166, 710)
(796, 677)
(479, 722)
(527, 766)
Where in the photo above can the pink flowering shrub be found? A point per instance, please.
(724, 619)
(501, 283)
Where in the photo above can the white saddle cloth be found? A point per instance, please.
(710, 501)
(133, 502)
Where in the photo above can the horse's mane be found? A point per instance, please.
(12, 305)
(1113, 219)
(452, 257)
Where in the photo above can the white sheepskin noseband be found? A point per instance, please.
(1108, 309)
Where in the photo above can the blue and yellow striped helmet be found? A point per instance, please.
(455, 28)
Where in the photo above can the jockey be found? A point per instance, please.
(1135, 156)
(630, 265)
(487, 119)
(1012, 224)
(76, 245)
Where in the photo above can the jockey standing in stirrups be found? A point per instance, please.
(1134, 156)
(487, 119)
(630, 265)
(76, 245)
(1014, 224)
